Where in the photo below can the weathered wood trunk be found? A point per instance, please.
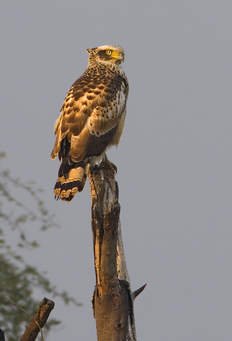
(112, 298)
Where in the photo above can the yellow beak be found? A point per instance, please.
(117, 54)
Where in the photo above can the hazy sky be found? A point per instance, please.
(174, 160)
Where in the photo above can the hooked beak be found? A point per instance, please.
(118, 55)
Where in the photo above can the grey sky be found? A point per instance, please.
(174, 160)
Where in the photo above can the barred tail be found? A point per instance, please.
(67, 185)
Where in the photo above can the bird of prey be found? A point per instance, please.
(91, 118)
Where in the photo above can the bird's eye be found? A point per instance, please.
(108, 52)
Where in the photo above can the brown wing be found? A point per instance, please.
(71, 120)
(90, 115)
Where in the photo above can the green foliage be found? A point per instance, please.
(21, 209)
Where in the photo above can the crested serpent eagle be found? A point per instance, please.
(91, 118)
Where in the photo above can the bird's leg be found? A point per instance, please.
(96, 162)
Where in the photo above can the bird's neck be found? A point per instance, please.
(103, 66)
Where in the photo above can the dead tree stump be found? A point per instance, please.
(112, 298)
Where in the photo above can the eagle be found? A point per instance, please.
(91, 118)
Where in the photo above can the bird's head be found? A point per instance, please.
(106, 54)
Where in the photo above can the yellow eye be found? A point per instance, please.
(108, 52)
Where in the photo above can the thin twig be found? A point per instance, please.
(2, 335)
(38, 320)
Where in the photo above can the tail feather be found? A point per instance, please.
(67, 186)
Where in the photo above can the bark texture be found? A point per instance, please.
(38, 320)
(112, 298)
